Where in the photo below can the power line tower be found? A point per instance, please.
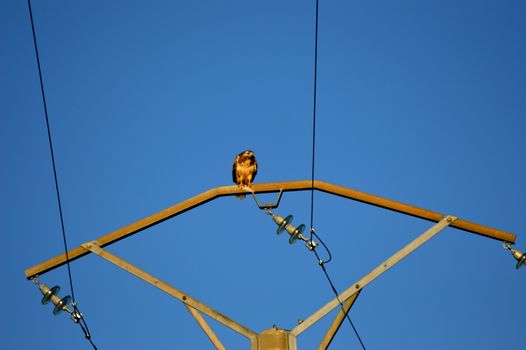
(273, 338)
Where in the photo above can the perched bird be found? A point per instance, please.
(244, 170)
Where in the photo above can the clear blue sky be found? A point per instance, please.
(149, 101)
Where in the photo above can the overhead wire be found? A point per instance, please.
(314, 103)
(80, 319)
(51, 151)
(346, 313)
(312, 231)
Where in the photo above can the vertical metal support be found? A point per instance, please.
(335, 326)
(371, 276)
(274, 339)
(254, 343)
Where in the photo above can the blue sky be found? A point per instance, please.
(149, 102)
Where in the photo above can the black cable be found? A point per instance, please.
(312, 233)
(51, 150)
(93, 345)
(85, 329)
(322, 265)
(81, 320)
(320, 261)
(314, 119)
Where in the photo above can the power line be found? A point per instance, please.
(322, 265)
(51, 150)
(312, 232)
(80, 319)
(314, 102)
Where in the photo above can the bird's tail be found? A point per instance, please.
(246, 188)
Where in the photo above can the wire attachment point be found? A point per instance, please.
(517, 254)
(76, 315)
(267, 206)
(311, 244)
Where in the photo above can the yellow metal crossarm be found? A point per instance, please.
(288, 186)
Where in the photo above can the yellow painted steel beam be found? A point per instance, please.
(165, 287)
(274, 339)
(288, 186)
(413, 211)
(371, 276)
(206, 328)
(335, 326)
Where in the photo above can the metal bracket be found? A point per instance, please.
(267, 206)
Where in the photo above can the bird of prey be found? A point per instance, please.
(244, 170)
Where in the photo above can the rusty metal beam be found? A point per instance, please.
(288, 186)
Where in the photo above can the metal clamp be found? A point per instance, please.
(267, 206)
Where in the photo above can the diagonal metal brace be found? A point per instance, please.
(206, 328)
(371, 276)
(335, 326)
(165, 287)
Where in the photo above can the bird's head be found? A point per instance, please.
(248, 153)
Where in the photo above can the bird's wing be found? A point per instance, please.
(234, 166)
